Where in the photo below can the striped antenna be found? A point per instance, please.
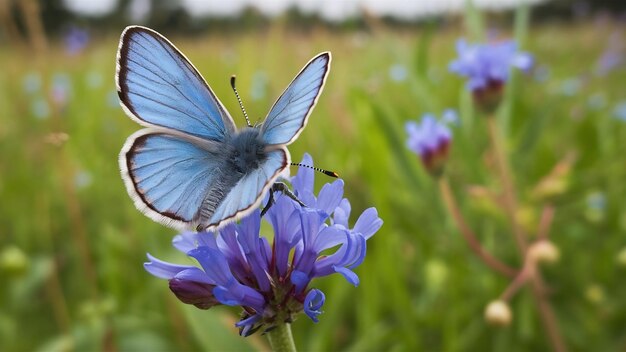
(325, 172)
(245, 114)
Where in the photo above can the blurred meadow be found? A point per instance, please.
(72, 244)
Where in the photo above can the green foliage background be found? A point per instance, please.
(72, 244)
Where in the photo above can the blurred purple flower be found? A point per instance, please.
(239, 267)
(40, 108)
(398, 73)
(571, 86)
(488, 64)
(620, 111)
(61, 90)
(94, 79)
(430, 140)
(31, 82)
(613, 56)
(450, 117)
(75, 39)
(258, 88)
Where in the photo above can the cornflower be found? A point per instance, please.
(272, 281)
(430, 140)
(486, 65)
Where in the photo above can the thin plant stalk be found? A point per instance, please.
(468, 234)
(510, 197)
(547, 215)
(547, 314)
(538, 289)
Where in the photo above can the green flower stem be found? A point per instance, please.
(281, 339)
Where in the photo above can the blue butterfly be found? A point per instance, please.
(191, 168)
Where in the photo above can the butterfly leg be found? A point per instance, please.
(270, 202)
(282, 187)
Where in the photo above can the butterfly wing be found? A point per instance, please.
(291, 111)
(169, 175)
(158, 86)
(247, 193)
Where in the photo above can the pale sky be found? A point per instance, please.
(328, 9)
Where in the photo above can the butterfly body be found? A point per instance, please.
(249, 150)
(191, 168)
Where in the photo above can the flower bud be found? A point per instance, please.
(595, 294)
(498, 313)
(13, 261)
(544, 251)
(488, 98)
(197, 293)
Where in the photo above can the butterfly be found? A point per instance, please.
(190, 167)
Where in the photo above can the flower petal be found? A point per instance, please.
(300, 280)
(194, 274)
(342, 213)
(330, 196)
(313, 303)
(368, 223)
(348, 274)
(239, 295)
(330, 237)
(163, 270)
(185, 241)
(303, 181)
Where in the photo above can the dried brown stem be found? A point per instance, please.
(510, 198)
(519, 281)
(547, 314)
(543, 305)
(547, 215)
(468, 234)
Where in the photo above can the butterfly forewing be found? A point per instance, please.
(158, 86)
(289, 114)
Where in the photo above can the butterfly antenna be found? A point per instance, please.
(245, 114)
(325, 172)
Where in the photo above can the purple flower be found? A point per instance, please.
(75, 39)
(487, 68)
(430, 140)
(61, 90)
(488, 64)
(619, 111)
(613, 56)
(270, 281)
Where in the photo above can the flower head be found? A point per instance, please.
(430, 140)
(61, 90)
(271, 281)
(76, 39)
(487, 68)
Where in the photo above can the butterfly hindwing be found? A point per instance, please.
(169, 175)
(289, 114)
(248, 192)
(157, 85)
